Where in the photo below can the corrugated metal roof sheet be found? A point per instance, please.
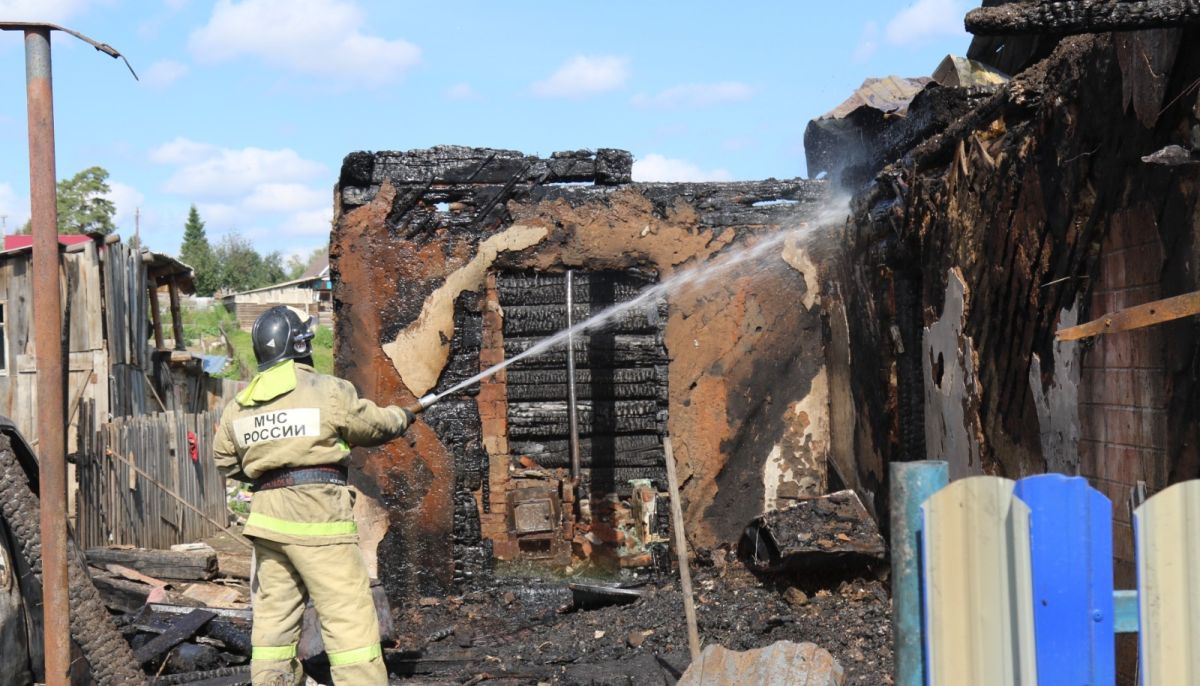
(1167, 529)
(978, 586)
(888, 94)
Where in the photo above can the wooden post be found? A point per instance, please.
(155, 312)
(685, 573)
(176, 315)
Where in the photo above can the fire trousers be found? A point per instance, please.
(335, 577)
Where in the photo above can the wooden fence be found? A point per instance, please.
(1017, 585)
(118, 504)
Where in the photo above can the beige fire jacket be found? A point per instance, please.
(291, 416)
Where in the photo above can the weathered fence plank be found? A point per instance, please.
(978, 586)
(1167, 536)
(119, 506)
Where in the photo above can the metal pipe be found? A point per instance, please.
(572, 413)
(911, 484)
(48, 347)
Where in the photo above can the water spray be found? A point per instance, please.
(834, 212)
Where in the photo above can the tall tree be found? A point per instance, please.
(241, 268)
(197, 252)
(83, 205)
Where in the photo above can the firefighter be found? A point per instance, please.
(289, 435)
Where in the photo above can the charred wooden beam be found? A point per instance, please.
(163, 564)
(1082, 16)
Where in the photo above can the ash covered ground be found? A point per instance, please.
(523, 630)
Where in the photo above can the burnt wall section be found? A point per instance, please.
(416, 236)
(1046, 203)
(620, 377)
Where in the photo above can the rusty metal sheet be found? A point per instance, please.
(978, 586)
(782, 663)
(1135, 317)
(1167, 531)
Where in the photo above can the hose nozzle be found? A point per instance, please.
(422, 404)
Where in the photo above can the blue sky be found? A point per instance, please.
(247, 107)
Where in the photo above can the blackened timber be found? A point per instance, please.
(639, 391)
(1082, 16)
(625, 350)
(628, 375)
(526, 320)
(161, 564)
(181, 630)
(633, 450)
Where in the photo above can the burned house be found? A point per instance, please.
(450, 260)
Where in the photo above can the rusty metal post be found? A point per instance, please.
(48, 347)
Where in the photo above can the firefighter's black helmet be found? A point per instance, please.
(279, 334)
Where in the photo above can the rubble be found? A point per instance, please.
(779, 664)
(815, 535)
(566, 644)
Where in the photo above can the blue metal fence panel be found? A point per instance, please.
(1071, 558)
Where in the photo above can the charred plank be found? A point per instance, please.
(162, 564)
(1081, 16)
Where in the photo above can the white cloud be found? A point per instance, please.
(286, 197)
(218, 215)
(163, 73)
(926, 19)
(316, 37)
(310, 222)
(181, 151)
(461, 91)
(655, 167)
(127, 199)
(868, 44)
(52, 11)
(212, 172)
(584, 75)
(697, 95)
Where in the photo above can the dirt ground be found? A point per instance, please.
(524, 631)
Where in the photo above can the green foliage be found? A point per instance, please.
(239, 267)
(207, 324)
(82, 204)
(197, 253)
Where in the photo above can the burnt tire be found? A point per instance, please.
(108, 654)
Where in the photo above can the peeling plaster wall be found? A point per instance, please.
(951, 388)
(747, 376)
(1057, 401)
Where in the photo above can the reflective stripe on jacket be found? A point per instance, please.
(291, 416)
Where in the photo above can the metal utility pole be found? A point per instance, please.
(572, 411)
(48, 344)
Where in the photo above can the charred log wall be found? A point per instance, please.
(621, 378)
(416, 235)
(1034, 212)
